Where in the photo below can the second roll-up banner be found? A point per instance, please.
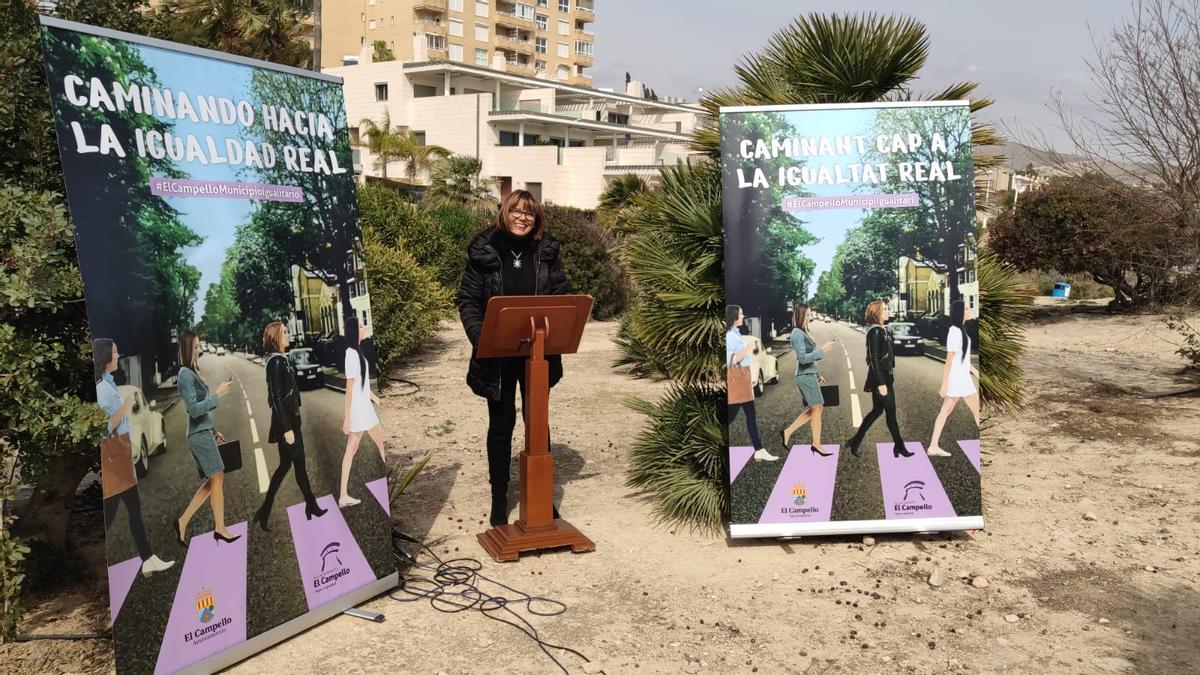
(216, 222)
(851, 318)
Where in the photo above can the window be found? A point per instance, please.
(564, 28)
(435, 41)
(393, 19)
(524, 11)
(456, 52)
(481, 32)
(456, 27)
(419, 137)
(540, 66)
(543, 3)
(582, 47)
(563, 72)
(381, 91)
(539, 45)
(481, 57)
(481, 8)
(456, 5)
(362, 17)
(618, 118)
(543, 22)
(564, 5)
(563, 50)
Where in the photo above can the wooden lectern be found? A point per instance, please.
(533, 326)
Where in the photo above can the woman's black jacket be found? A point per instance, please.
(880, 359)
(283, 397)
(481, 281)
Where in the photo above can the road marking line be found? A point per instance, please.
(855, 411)
(249, 410)
(253, 431)
(261, 464)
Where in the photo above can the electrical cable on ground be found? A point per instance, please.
(454, 587)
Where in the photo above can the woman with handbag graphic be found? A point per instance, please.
(202, 439)
(808, 380)
(957, 384)
(118, 482)
(737, 370)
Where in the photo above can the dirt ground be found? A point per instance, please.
(1088, 563)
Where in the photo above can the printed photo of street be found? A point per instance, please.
(796, 245)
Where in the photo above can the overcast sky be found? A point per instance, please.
(1017, 50)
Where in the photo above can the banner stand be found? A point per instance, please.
(278, 634)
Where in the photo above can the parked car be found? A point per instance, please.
(764, 367)
(905, 339)
(308, 371)
(147, 430)
(221, 350)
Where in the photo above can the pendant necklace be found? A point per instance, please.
(517, 259)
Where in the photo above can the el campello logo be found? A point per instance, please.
(799, 492)
(330, 551)
(332, 567)
(206, 605)
(916, 487)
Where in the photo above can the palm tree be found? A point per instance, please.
(382, 140)
(225, 25)
(675, 253)
(621, 191)
(417, 156)
(456, 179)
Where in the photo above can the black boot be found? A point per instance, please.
(499, 506)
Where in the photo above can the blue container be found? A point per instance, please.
(1061, 290)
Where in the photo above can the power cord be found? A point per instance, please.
(455, 587)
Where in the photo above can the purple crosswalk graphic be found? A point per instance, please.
(738, 457)
(331, 563)
(804, 491)
(379, 489)
(209, 611)
(911, 488)
(971, 450)
(120, 580)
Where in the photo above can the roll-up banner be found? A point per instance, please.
(216, 224)
(851, 318)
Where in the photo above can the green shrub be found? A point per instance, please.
(406, 298)
(458, 225)
(589, 259)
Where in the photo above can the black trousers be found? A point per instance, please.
(502, 419)
(133, 506)
(290, 455)
(751, 421)
(880, 405)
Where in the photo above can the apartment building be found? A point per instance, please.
(561, 141)
(541, 38)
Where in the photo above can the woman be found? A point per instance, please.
(880, 364)
(359, 414)
(202, 439)
(956, 376)
(283, 398)
(808, 380)
(118, 482)
(737, 352)
(514, 257)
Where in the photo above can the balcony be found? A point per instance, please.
(429, 6)
(584, 12)
(514, 21)
(585, 35)
(584, 60)
(516, 45)
(580, 80)
(518, 68)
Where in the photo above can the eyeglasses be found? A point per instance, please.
(523, 214)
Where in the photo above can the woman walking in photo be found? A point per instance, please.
(808, 380)
(118, 482)
(283, 398)
(514, 257)
(202, 439)
(956, 376)
(880, 364)
(359, 414)
(737, 355)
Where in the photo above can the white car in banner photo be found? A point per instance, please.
(764, 367)
(147, 431)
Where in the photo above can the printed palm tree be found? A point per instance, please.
(675, 256)
(456, 179)
(272, 30)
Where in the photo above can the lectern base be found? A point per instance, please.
(505, 543)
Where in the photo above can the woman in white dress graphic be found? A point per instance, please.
(359, 411)
(956, 376)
